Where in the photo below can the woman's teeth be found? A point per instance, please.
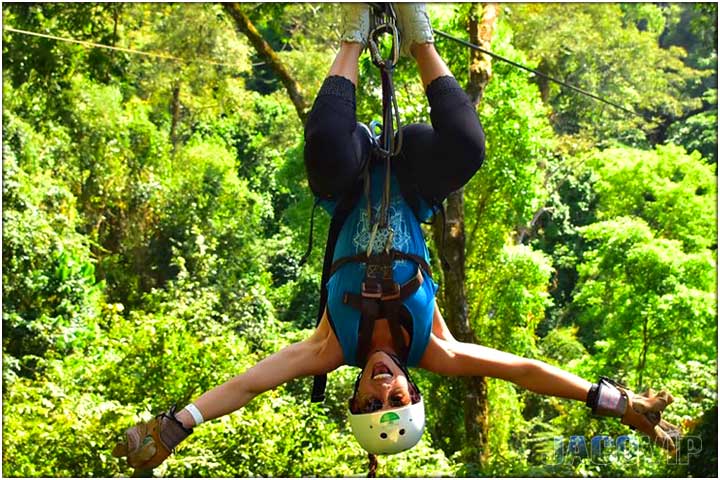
(382, 376)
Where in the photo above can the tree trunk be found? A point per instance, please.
(643, 355)
(543, 83)
(175, 111)
(266, 52)
(481, 25)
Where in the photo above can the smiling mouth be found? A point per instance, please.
(381, 372)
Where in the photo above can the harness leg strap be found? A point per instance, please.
(318, 388)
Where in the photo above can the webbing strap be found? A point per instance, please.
(342, 210)
(394, 254)
(393, 316)
(318, 388)
(406, 289)
(387, 304)
(308, 251)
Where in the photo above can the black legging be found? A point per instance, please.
(434, 161)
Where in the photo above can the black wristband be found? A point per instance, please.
(606, 399)
(592, 397)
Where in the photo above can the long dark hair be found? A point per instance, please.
(372, 466)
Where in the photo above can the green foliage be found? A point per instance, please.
(644, 300)
(599, 48)
(698, 132)
(698, 450)
(50, 293)
(155, 212)
(506, 284)
(45, 66)
(204, 83)
(86, 395)
(672, 191)
(507, 319)
(571, 204)
(504, 195)
(645, 16)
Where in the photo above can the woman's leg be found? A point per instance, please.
(335, 146)
(437, 160)
(346, 62)
(429, 62)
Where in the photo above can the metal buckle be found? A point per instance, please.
(374, 292)
(379, 272)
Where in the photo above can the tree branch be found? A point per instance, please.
(266, 52)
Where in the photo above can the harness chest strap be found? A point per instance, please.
(399, 294)
(393, 256)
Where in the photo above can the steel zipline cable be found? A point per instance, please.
(119, 49)
(438, 32)
(533, 71)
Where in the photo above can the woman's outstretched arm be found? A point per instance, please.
(317, 355)
(454, 358)
(148, 444)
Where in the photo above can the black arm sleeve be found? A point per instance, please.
(437, 160)
(336, 147)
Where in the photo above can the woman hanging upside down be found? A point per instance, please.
(380, 314)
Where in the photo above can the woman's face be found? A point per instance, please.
(383, 385)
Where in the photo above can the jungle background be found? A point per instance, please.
(155, 211)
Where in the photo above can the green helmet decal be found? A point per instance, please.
(390, 417)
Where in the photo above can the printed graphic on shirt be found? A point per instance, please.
(401, 237)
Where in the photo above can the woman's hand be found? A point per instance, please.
(643, 414)
(148, 444)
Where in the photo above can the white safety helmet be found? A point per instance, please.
(389, 431)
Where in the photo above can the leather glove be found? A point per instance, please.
(355, 23)
(414, 25)
(640, 412)
(643, 413)
(148, 444)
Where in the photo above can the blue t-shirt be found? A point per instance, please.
(354, 238)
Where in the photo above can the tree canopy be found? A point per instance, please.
(155, 211)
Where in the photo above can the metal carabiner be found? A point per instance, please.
(377, 58)
(376, 127)
(383, 21)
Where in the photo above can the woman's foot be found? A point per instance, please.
(355, 23)
(414, 25)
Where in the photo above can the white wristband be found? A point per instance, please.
(195, 413)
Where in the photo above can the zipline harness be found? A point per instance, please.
(380, 296)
